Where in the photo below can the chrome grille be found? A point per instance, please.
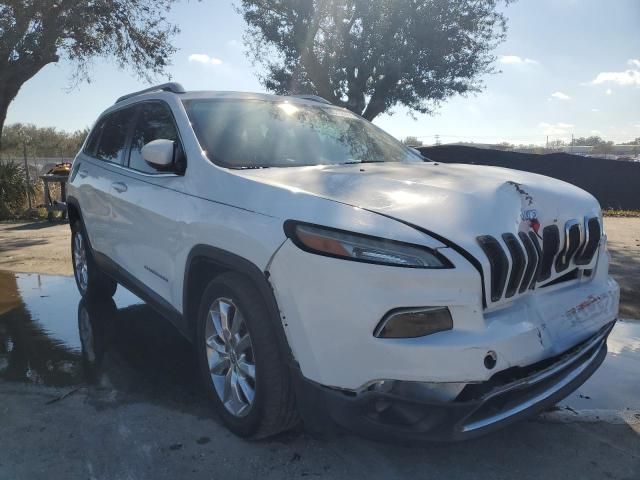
(525, 261)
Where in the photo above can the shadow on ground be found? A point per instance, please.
(17, 243)
(39, 225)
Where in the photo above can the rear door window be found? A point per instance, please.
(113, 136)
(154, 122)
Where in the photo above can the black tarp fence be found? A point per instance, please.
(615, 183)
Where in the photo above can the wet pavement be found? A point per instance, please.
(49, 336)
(108, 389)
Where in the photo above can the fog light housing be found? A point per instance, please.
(414, 322)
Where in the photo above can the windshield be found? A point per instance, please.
(260, 134)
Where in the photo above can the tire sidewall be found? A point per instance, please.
(249, 424)
(98, 284)
(78, 228)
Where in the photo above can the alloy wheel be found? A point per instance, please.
(230, 356)
(80, 261)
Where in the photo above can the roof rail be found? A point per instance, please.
(313, 98)
(173, 87)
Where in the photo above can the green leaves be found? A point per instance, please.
(13, 189)
(33, 33)
(371, 55)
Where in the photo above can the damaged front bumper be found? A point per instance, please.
(508, 396)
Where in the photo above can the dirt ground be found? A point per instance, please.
(39, 247)
(42, 247)
(623, 235)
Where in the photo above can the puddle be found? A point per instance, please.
(615, 385)
(49, 336)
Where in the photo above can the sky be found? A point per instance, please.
(567, 67)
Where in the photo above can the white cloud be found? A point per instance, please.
(204, 59)
(595, 109)
(516, 60)
(608, 91)
(630, 76)
(558, 128)
(233, 43)
(596, 132)
(560, 96)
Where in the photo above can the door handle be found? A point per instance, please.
(119, 187)
(83, 173)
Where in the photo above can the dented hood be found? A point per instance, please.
(455, 201)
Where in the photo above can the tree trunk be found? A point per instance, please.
(4, 106)
(8, 91)
(14, 75)
(374, 108)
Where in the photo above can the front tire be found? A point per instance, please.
(241, 365)
(91, 282)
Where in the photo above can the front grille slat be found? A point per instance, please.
(532, 263)
(572, 242)
(518, 263)
(593, 232)
(550, 246)
(538, 249)
(498, 263)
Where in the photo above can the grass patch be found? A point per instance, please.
(616, 212)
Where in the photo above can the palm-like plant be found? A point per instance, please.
(13, 189)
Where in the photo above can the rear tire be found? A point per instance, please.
(242, 367)
(91, 282)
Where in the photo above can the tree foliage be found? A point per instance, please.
(592, 141)
(13, 189)
(412, 141)
(40, 141)
(370, 55)
(35, 33)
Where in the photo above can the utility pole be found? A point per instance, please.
(572, 140)
(438, 140)
(547, 147)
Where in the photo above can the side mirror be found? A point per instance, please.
(159, 153)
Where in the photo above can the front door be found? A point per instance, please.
(150, 207)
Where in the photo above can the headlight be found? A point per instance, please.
(362, 248)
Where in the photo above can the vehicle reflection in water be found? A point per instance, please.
(49, 336)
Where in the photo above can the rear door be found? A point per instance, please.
(104, 154)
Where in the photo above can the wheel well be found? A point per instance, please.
(204, 264)
(72, 213)
(201, 271)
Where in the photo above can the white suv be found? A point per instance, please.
(320, 267)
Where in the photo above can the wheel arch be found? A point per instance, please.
(73, 210)
(204, 263)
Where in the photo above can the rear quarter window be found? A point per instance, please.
(109, 143)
